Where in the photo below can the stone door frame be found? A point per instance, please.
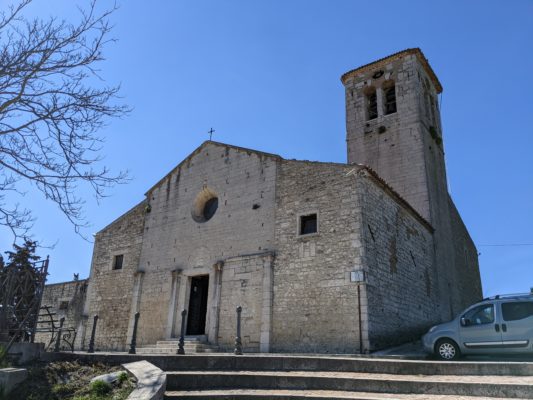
(180, 295)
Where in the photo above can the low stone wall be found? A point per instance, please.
(151, 381)
(289, 362)
(24, 352)
(10, 378)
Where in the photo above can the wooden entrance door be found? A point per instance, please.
(197, 305)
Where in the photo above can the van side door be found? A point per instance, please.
(517, 324)
(479, 328)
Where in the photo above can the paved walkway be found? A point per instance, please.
(330, 394)
(415, 351)
(478, 379)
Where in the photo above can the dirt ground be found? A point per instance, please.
(68, 380)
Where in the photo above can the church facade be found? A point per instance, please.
(322, 257)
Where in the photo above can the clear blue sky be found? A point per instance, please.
(266, 74)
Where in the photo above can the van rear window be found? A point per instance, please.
(513, 311)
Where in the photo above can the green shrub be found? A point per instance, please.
(62, 389)
(101, 388)
(122, 377)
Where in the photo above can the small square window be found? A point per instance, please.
(308, 224)
(118, 261)
(63, 305)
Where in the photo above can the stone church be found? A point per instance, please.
(322, 257)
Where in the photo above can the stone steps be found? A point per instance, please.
(278, 362)
(175, 344)
(173, 350)
(192, 344)
(449, 385)
(258, 394)
(286, 376)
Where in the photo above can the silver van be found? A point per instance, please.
(496, 325)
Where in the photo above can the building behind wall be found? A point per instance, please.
(62, 300)
(322, 257)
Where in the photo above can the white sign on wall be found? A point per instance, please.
(357, 276)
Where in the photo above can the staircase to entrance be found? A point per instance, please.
(293, 377)
(192, 344)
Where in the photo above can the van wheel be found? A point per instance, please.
(447, 350)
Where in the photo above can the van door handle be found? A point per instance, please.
(497, 327)
(504, 327)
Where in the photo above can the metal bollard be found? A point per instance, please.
(134, 335)
(91, 342)
(59, 333)
(181, 342)
(238, 341)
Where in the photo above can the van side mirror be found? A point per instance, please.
(465, 322)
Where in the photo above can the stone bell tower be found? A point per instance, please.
(393, 126)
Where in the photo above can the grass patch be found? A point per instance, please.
(100, 388)
(71, 381)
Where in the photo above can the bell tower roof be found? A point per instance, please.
(383, 61)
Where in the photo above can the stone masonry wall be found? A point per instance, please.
(175, 243)
(315, 306)
(67, 300)
(110, 291)
(242, 285)
(466, 261)
(401, 278)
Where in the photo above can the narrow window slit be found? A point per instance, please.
(118, 260)
(372, 104)
(389, 95)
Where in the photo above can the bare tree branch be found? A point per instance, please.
(51, 110)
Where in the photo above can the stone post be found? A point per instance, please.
(238, 341)
(181, 349)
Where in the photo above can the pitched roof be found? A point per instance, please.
(395, 195)
(383, 61)
(201, 147)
